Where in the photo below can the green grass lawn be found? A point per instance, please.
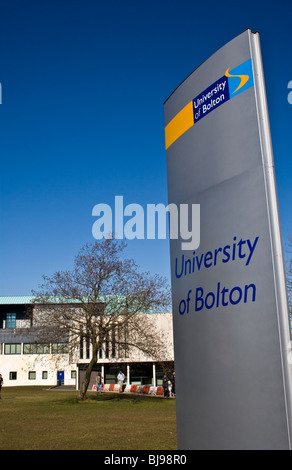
(40, 419)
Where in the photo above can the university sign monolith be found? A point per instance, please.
(231, 326)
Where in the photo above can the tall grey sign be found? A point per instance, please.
(231, 326)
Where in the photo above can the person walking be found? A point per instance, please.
(1, 383)
(165, 386)
(172, 380)
(98, 383)
(121, 378)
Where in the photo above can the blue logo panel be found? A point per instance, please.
(240, 78)
(215, 95)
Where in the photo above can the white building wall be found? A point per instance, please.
(24, 364)
(162, 324)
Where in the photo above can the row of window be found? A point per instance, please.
(32, 375)
(34, 348)
(120, 351)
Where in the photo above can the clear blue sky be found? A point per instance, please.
(83, 86)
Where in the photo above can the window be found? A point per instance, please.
(113, 342)
(12, 375)
(59, 348)
(32, 375)
(35, 348)
(123, 341)
(81, 348)
(73, 374)
(87, 348)
(107, 348)
(11, 348)
(10, 320)
(44, 375)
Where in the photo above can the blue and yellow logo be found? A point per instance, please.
(225, 88)
(240, 78)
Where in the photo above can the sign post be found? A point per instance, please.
(230, 314)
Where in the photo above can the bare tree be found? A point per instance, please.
(104, 298)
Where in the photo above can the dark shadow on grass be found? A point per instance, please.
(102, 397)
(96, 398)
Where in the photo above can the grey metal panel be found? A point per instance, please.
(196, 82)
(232, 376)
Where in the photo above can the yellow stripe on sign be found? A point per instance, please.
(179, 124)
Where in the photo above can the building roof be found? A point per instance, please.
(16, 299)
(28, 299)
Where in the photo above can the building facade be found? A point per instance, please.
(25, 360)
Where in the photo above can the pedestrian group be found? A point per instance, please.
(167, 392)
